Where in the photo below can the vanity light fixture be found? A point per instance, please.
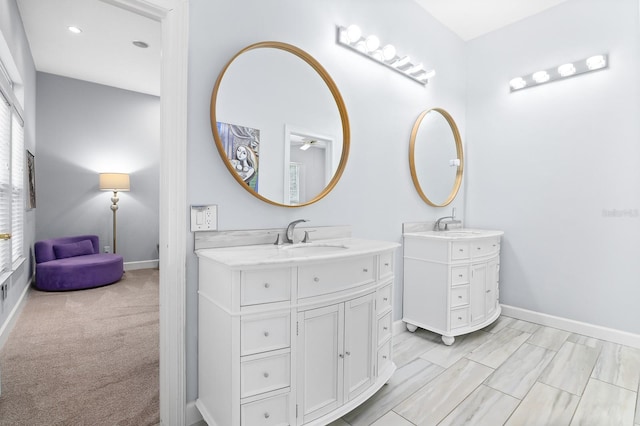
(370, 46)
(570, 69)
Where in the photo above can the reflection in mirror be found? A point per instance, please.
(270, 100)
(435, 157)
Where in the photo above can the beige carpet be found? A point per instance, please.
(87, 357)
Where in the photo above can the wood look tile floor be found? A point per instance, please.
(510, 373)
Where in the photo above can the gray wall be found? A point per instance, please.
(547, 163)
(14, 35)
(375, 194)
(85, 129)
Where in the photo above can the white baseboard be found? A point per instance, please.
(193, 414)
(13, 316)
(145, 264)
(586, 329)
(398, 327)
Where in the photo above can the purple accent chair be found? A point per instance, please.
(74, 263)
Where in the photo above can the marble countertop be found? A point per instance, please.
(269, 254)
(456, 234)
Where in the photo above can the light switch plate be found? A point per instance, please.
(204, 218)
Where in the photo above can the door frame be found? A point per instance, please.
(173, 16)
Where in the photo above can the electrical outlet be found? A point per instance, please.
(204, 218)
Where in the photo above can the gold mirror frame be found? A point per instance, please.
(336, 96)
(412, 160)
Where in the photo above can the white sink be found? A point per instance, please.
(311, 248)
(456, 234)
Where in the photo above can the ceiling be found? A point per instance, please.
(103, 53)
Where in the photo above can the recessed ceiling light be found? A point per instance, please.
(140, 44)
(74, 29)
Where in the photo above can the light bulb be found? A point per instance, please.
(540, 77)
(401, 62)
(415, 69)
(372, 43)
(378, 55)
(596, 62)
(361, 46)
(566, 70)
(353, 33)
(388, 52)
(517, 83)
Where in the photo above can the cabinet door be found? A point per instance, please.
(358, 345)
(491, 291)
(478, 292)
(320, 367)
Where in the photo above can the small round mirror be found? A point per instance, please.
(435, 157)
(280, 124)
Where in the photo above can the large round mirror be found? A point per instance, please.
(280, 124)
(435, 157)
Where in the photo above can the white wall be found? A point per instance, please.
(85, 129)
(546, 162)
(18, 46)
(375, 194)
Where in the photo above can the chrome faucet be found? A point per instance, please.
(436, 226)
(288, 238)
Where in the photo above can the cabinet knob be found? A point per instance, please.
(348, 353)
(316, 279)
(266, 375)
(460, 249)
(460, 318)
(266, 415)
(459, 297)
(266, 285)
(365, 270)
(266, 334)
(341, 356)
(386, 264)
(384, 357)
(488, 291)
(385, 328)
(460, 275)
(385, 298)
(479, 248)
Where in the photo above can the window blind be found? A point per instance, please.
(5, 183)
(17, 187)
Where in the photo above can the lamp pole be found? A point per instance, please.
(114, 208)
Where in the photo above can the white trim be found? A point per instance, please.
(174, 18)
(143, 264)
(586, 329)
(193, 414)
(13, 316)
(398, 327)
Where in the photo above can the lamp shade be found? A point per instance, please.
(114, 182)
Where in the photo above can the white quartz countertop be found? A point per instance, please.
(456, 234)
(269, 254)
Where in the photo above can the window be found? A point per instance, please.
(12, 197)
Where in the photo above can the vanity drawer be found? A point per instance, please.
(386, 265)
(485, 247)
(265, 286)
(272, 411)
(384, 356)
(384, 328)
(459, 296)
(383, 297)
(459, 275)
(459, 317)
(459, 250)
(261, 334)
(265, 374)
(314, 280)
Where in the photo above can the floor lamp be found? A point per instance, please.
(114, 182)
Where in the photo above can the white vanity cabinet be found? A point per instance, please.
(292, 340)
(451, 281)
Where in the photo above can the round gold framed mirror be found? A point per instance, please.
(280, 124)
(436, 160)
